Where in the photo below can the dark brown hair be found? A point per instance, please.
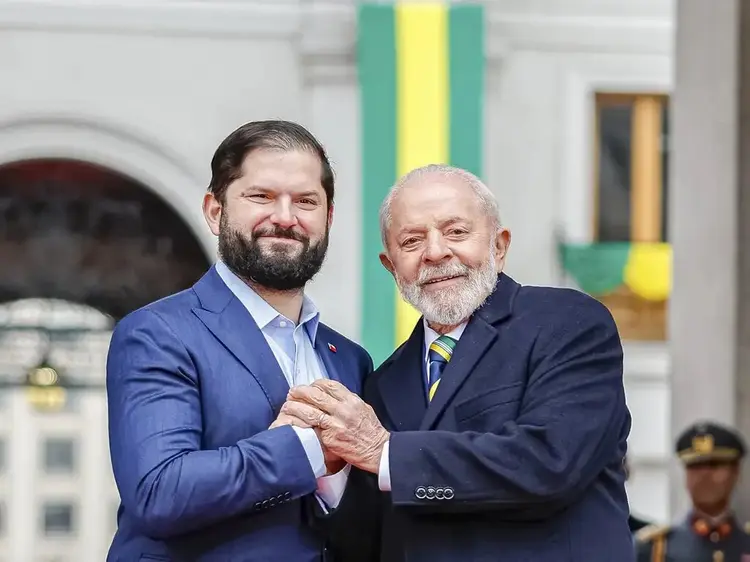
(226, 164)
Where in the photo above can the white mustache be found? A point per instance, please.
(427, 274)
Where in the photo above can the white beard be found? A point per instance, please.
(452, 305)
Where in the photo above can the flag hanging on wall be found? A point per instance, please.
(421, 72)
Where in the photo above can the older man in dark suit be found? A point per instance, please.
(498, 430)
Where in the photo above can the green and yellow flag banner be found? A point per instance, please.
(601, 268)
(421, 70)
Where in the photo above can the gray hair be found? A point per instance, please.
(481, 191)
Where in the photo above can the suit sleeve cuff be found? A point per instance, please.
(331, 488)
(384, 472)
(313, 450)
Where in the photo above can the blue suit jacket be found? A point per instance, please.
(519, 455)
(192, 388)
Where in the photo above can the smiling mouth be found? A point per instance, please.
(441, 279)
(280, 238)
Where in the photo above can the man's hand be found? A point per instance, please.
(333, 462)
(347, 426)
(287, 419)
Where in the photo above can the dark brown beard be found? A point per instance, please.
(272, 270)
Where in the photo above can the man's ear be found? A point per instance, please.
(212, 212)
(502, 243)
(387, 263)
(330, 216)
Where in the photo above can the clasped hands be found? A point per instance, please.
(347, 427)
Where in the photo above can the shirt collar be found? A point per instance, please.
(431, 335)
(262, 312)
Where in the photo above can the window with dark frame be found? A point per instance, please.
(59, 455)
(631, 177)
(58, 519)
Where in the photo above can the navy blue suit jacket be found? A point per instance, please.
(192, 388)
(519, 455)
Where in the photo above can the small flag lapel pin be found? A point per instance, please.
(332, 347)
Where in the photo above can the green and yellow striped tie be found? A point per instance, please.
(440, 353)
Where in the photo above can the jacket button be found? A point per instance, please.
(420, 493)
(287, 495)
(439, 494)
(264, 504)
(448, 494)
(430, 493)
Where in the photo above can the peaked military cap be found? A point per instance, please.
(707, 441)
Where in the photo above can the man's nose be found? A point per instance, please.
(437, 250)
(283, 214)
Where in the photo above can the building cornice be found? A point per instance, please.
(325, 31)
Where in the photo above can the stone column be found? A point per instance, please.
(742, 370)
(709, 214)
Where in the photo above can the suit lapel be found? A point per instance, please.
(229, 321)
(401, 385)
(336, 364)
(479, 335)
(474, 342)
(331, 360)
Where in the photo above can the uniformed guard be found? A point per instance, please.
(711, 454)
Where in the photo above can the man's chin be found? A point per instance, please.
(275, 249)
(441, 296)
(434, 305)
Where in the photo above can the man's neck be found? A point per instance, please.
(287, 303)
(443, 329)
(714, 513)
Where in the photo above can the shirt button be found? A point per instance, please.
(282, 324)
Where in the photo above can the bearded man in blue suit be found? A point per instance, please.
(206, 466)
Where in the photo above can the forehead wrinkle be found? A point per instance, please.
(443, 223)
(431, 207)
(442, 174)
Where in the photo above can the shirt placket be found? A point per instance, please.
(298, 348)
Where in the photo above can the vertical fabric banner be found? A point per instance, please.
(421, 72)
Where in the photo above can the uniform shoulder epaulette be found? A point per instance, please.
(651, 532)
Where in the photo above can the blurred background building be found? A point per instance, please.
(109, 115)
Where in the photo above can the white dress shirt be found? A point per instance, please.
(430, 335)
(293, 345)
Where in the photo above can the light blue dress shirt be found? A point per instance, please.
(293, 345)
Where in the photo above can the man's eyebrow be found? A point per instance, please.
(264, 189)
(442, 224)
(409, 229)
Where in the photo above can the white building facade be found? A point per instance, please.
(149, 90)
